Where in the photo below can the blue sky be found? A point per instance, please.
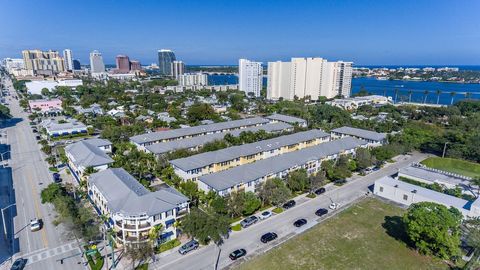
(219, 32)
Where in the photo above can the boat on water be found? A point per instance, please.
(399, 85)
(382, 78)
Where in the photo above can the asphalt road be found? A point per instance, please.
(46, 247)
(282, 224)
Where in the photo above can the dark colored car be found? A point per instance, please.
(320, 191)
(300, 222)
(248, 221)
(19, 264)
(237, 254)
(187, 247)
(56, 177)
(38, 137)
(340, 181)
(289, 204)
(270, 236)
(34, 131)
(321, 212)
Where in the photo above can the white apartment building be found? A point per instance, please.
(250, 76)
(193, 79)
(178, 68)
(96, 62)
(308, 78)
(68, 58)
(12, 64)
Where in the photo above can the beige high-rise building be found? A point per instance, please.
(43, 62)
(308, 78)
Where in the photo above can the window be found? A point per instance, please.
(405, 197)
(381, 189)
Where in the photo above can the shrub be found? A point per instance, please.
(237, 227)
(168, 245)
(277, 210)
(311, 195)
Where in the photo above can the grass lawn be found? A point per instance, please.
(362, 237)
(453, 165)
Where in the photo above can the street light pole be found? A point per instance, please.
(3, 219)
(444, 149)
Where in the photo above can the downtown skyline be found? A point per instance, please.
(367, 33)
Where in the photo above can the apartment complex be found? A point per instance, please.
(193, 79)
(182, 133)
(43, 62)
(190, 168)
(91, 153)
(248, 177)
(308, 78)
(195, 143)
(372, 137)
(177, 69)
(56, 128)
(276, 117)
(96, 63)
(250, 76)
(132, 210)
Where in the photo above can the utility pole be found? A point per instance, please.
(444, 149)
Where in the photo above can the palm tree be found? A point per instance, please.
(410, 92)
(425, 94)
(476, 181)
(396, 94)
(438, 95)
(452, 94)
(384, 92)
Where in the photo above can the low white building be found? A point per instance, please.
(55, 128)
(356, 102)
(133, 210)
(88, 153)
(35, 87)
(407, 194)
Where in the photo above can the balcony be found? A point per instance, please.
(136, 238)
(141, 226)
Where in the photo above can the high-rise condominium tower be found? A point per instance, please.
(123, 63)
(309, 78)
(43, 62)
(68, 58)
(96, 62)
(250, 76)
(165, 59)
(178, 68)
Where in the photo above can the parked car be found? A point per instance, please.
(289, 204)
(270, 236)
(56, 177)
(35, 225)
(321, 212)
(320, 191)
(340, 181)
(265, 214)
(18, 264)
(38, 137)
(237, 254)
(34, 131)
(187, 247)
(300, 222)
(248, 221)
(333, 206)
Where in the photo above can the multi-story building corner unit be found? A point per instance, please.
(405, 193)
(132, 209)
(176, 134)
(248, 177)
(88, 153)
(192, 79)
(43, 62)
(55, 128)
(165, 60)
(96, 63)
(195, 143)
(308, 78)
(190, 168)
(276, 117)
(250, 76)
(372, 137)
(178, 68)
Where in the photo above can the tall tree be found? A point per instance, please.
(297, 180)
(452, 94)
(438, 92)
(205, 225)
(274, 191)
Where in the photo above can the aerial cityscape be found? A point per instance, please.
(239, 135)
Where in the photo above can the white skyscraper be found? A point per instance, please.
(308, 77)
(68, 58)
(178, 68)
(250, 75)
(96, 62)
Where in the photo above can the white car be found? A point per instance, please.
(333, 206)
(35, 225)
(265, 215)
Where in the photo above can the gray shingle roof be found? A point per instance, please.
(165, 147)
(169, 134)
(87, 154)
(124, 194)
(253, 171)
(230, 153)
(432, 176)
(53, 125)
(362, 133)
(286, 118)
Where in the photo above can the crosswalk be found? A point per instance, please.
(51, 252)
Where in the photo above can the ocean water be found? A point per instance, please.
(388, 87)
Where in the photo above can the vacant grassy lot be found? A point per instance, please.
(362, 237)
(453, 165)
